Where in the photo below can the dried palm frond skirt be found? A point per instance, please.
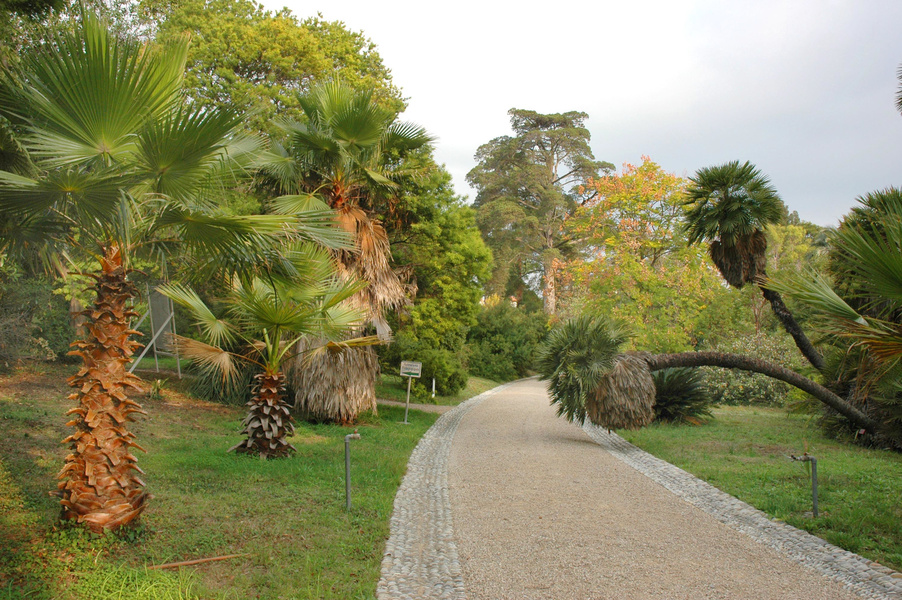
(625, 397)
(334, 387)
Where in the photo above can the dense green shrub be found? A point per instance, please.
(502, 345)
(34, 322)
(445, 366)
(681, 396)
(735, 387)
(211, 387)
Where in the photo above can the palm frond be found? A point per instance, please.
(89, 91)
(575, 358)
(298, 204)
(210, 359)
(218, 332)
(178, 153)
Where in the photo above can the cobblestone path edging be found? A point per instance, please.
(420, 560)
(864, 577)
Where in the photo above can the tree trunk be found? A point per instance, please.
(99, 483)
(657, 362)
(268, 422)
(549, 292)
(792, 328)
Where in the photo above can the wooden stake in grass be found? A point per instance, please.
(197, 561)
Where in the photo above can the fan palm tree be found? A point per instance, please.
(267, 320)
(347, 152)
(729, 206)
(119, 163)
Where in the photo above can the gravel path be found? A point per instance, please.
(523, 505)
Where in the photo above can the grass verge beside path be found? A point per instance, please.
(288, 515)
(744, 452)
(394, 387)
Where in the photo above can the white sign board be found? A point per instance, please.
(410, 368)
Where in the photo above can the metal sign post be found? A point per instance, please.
(410, 369)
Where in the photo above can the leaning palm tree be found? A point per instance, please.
(860, 309)
(730, 206)
(119, 163)
(266, 320)
(589, 378)
(347, 152)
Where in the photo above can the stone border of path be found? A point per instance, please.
(864, 577)
(421, 562)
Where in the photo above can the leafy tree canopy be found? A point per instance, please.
(634, 265)
(248, 59)
(527, 186)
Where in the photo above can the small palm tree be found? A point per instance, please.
(118, 163)
(267, 320)
(347, 152)
(729, 206)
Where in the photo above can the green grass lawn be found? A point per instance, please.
(744, 452)
(394, 387)
(287, 516)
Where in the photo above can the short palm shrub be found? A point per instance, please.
(681, 396)
(575, 358)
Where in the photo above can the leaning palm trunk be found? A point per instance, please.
(745, 262)
(268, 422)
(792, 327)
(100, 486)
(735, 361)
(334, 386)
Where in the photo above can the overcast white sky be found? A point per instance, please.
(803, 89)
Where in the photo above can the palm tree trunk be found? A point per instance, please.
(99, 483)
(792, 328)
(331, 387)
(657, 362)
(268, 422)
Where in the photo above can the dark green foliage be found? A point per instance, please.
(847, 374)
(681, 396)
(446, 367)
(32, 314)
(210, 386)
(574, 358)
(729, 203)
(503, 343)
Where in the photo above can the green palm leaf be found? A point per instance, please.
(214, 330)
(90, 91)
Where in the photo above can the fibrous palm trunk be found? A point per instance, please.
(335, 387)
(99, 485)
(268, 423)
